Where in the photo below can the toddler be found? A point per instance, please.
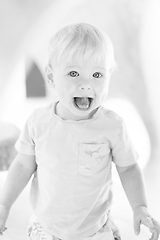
(69, 147)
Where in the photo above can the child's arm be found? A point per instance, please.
(133, 185)
(19, 174)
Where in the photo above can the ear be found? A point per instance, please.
(49, 74)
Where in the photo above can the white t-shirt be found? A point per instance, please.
(71, 190)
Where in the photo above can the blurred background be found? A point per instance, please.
(134, 28)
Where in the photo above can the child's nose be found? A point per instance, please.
(85, 85)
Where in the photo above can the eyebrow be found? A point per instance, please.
(72, 66)
(102, 68)
(76, 66)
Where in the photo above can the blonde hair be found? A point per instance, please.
(81, 41)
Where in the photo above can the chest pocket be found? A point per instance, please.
(93, 158)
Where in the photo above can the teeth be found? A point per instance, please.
(82, 102)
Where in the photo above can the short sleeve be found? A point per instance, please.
(25, 143)
(123, 152)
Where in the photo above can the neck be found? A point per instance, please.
(67, 115)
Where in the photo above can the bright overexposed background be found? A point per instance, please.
(133, 26)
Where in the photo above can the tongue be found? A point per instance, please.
(82, 103)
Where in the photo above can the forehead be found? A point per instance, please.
(86, 63)
(80, 55)
(89, 64)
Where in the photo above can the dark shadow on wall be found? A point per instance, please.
(35, 84)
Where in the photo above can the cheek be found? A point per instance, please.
(71, 86)
(65, 88)
(102, 87)
(103, 90)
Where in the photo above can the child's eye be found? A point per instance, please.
(74, 74)
(97, 75)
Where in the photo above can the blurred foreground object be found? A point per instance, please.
(8, 136)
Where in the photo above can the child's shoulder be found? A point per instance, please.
(42, 110)
(111, 120)
(40, 114)
(109, 114)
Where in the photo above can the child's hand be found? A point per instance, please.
(142, 216)
(156, 224)
(114, 228)
(3, 218)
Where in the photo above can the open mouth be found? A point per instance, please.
(82, 103)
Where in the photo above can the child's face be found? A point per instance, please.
(81, 88)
